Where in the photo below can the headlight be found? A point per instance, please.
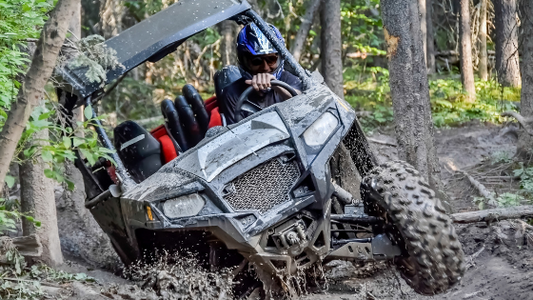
(184, 206)
(320, 131)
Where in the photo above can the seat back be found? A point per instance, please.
(225, 77)
(138, 149)
(169, 148)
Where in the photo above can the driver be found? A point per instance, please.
(259, 64)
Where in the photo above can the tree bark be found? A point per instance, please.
(409, 88)
(483, 57)
(298, 45)
(38, 200)
(228, 31)
(111, 14)
(31, 92)
(430, 54)
(525, 140)
(331, 48)
(465, 49)
(422, 13)
(507, 62)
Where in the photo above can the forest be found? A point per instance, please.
(416, 184)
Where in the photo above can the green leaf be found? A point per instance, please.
(88, 112)
(49, 173)
(77, 141)
(89, 156)
(70, 185)
(10, 181)
(47, 156)
(67, 142)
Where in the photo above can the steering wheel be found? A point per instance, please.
(243, 104)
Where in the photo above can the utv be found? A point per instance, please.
(291, 185)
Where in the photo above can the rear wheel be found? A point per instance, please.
(433, 258)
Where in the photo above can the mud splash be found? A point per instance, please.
(174, 276)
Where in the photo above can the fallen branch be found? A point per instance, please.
(496, 214)
(471, 258)
(479, 186)
(375, 141)
(521, 120)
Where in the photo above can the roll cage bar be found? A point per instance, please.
(239, 11)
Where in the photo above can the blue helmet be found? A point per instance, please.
(252, 41)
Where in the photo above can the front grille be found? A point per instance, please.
(263, 187)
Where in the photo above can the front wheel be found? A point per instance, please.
(432, 259)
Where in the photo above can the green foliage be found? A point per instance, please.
(19, 20)
(501, 157)
(450, 105)
(18, 281)
(9, 216)
(62, 144)
(526, 178)
(368, 90)
(509, 199)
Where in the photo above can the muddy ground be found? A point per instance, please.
(499, 256)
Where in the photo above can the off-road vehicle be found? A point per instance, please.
(291, 185)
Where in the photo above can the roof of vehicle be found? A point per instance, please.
(157, 36)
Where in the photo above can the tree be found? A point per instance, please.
(483, 57)
(525, 143)
(430, 54)
(331, 48)
(29, 96)
(228, 52)
(465, 50)
(507, 62)
(409, 88)
(38, 200)
(111, 13)
(422, 12)
(305, 26)
(31, 92)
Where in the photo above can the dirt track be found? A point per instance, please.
(499, 257)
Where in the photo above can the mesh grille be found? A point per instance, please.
(263, 187)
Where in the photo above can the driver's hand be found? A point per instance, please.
(261, 82)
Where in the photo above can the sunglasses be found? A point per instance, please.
(258, 60)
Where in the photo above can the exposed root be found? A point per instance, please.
(521, 120)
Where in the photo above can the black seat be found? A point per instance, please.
(138, 149)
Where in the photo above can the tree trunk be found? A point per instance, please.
(483, 57)
(465, 49)
(430, 54)
(422, 13)
(298, 44)
(31, 92)
(228, 50)
(38, 200)
(409, 88)
(111, 14)
(525, 141)
(507, 62)
(331, 48)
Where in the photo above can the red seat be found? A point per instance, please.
(167, 146)
(211, 105)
